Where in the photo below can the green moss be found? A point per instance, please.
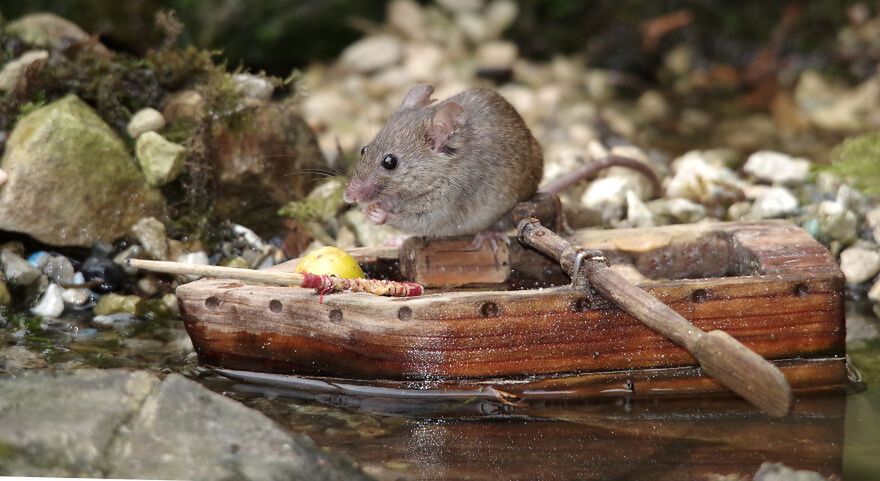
(19, 320)
(857, 159)
(323, 203)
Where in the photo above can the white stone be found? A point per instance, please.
(161, 160)
(406, 16)
(859, 264)
(777, 167)
(500, 15)
(679, 209)
(253, 86)
(497, 55)
(874, 293)
(774, 202)
(834, 107)
(699, 177)
(59, 269)
(423, 61)
(372, 53)
(76, 296)
(17, 270)
(14, 69)
(249, 236)
(145, 120)
(194, 258)
(637, 213)
(151, 235)
(608, 195)
(51, 305)
(837, 222)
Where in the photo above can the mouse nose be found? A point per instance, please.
(357, 191)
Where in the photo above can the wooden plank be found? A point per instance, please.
(453, 262)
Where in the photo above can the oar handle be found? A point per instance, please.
(266, 277)
(721, 356)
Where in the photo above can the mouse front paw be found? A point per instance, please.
(491, 237)
(375, 214)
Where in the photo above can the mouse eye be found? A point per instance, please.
(363, 150)
(389, 161)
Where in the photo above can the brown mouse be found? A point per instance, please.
(441, 169)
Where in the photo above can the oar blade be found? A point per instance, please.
(744, 372)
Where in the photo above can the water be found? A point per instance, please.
(476, 439)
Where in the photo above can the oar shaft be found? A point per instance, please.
(266, 277)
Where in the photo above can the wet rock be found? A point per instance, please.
(59, 269)
(76, 296)
(17, 270)
(777, 167)
(51, 305)
(64, 162)
(14, 69)
(259, 168)
(38, 259)
(859, 263)
(372, 53)
(145, 120)
(774, 202)
(115, 303)
(861, 326)
(253, 86)
(151, 234)
(19, 358)
(161, 160)
(781, 472)
(50, 31)
(119, 320)
(112, 276)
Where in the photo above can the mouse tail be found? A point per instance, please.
(590, 169)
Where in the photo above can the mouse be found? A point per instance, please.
(455, 167)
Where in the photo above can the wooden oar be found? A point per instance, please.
(719, 354)
(322, 283)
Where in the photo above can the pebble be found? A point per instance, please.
(59, 269)
(194, 258)
(497, 55)
(739, 210)
(774, 202)
(150, 233)
(249, 236)
(837, 223)
(160, 159)
(500, 15)
(14, 69)
(637, 213)
(777, 167)
(253, 86)
(19, 358)
(111, 275)
(680, 210)
(17, 270)
(170, 301)
(700, 177)
(148, 284)
(859, 263)
(406, 17)
(372, 53)
(38, 259)
(607, 195)
(119, 319)
(76, 296)
(114, 303)
(145, 120)
(51, 304)
(3, 176)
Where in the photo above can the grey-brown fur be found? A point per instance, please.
(490, 162)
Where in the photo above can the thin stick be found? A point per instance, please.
(322, 283)
(720, 355)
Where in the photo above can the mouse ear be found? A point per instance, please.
(418, 96)
(448, 118)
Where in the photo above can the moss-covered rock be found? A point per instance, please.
(161, 160)
(71, 180)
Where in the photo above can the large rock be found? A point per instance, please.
(71, 178)
(267, 158)
(122, 424)
(51, 31)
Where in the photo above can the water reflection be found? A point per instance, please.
(478, 439)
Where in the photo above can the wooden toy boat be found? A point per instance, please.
(510, 320)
